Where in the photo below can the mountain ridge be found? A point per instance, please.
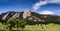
(31, 17)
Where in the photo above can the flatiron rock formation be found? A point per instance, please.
(26, 13)
(5, 16)
(16, 15)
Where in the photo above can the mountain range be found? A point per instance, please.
(30, 17)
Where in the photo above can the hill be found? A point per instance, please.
(30, 17)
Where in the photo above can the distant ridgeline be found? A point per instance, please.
(30, 17)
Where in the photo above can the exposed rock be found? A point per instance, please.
(16, 15)
(26, 13)
(5, 16)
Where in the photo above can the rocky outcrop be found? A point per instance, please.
(5, 16)
(26, 13)
(16, 15)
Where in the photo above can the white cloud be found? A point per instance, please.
(46, 12)
(54, 1)
(40, 3)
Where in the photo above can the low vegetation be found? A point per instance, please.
(49, 27)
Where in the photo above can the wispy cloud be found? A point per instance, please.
(37, 5)
(54, 1)
(46, 12)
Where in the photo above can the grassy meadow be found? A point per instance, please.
(49, 27)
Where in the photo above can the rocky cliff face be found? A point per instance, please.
(21, 15)
(26, 13)
(16, 15)
(4, 17)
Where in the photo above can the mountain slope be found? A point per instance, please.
(30, 17)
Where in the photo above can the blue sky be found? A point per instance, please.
(39, 6)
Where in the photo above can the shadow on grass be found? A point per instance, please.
(15, 30)
(32, 30)
(20, 30)
(2, 30)
(28, 30)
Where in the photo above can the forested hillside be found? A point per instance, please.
(34, 18)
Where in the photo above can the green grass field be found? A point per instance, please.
(49, 27)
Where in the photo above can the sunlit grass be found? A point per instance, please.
(49, 27)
